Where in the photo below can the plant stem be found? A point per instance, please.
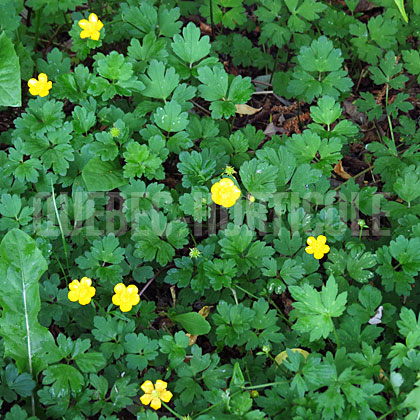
(387, 114)
(265, 385)
(278, 310)
(337, 341)
(154, 278)
(61, 228)
(354, 177)
(212, 20)
(245, 291)
(172, 411)
(274, 65)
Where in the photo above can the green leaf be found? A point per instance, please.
(193, 323)
(102, 176)
(214, 83)
(357, 265)
(63, 377)
(258, 179)
(21, 267)
(401, 8)
(22, 384)
(57, 64)
(10, 90)
(314, 310)
(189, 47)
(408, 186)
(141, 161)
(141, 349)
(326, 111)
(170, 118)
(90, 362)
(174, 347)
(159, 82)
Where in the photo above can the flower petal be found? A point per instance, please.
(91, 291)
(84, 24)
(73, 296)
(147, 387)
(132, 289)
(32, 82)
(318, 255)
(126, 307)
(145, 399)
(160, 385)
(310, 240)
(325, 249)
(119, 288)
(42, 77)
(156, 404)
(99, 25)
(93, 18)
(309, 250)
(95, 35)
(85, 33)
(86, 282)
(85, 300)
(116, 300)
(321, 239)
(166, 396)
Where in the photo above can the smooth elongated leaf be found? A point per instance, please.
(193, 323)
(102, 176)
(10, 91)
(21, 267)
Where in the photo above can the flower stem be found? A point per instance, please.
(387, 114)
(61, 228)
(172, 411)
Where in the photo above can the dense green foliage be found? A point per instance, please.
(109, 176)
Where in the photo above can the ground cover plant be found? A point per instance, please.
(209, 209)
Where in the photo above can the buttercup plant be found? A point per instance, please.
(177, 158)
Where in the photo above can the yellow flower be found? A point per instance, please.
(41, 86)
(154, 394)
(125, 297)
(317, 246)
(283, 355)
(91, 27)
(81, 291)
(225, 192)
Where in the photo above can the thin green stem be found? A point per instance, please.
(61, 228)
(278, 310)
(246, 291)
(274, 65)
(354, 177)
(387, 114)
(337, 341)
(172, 411)
(212, 19)
(59, 263)
(384, 416)
(234, 295)
(265, 385)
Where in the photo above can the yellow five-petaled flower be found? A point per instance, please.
(81, 291)
(125, 297)
(41, 86)
(91, 27)
(155, 394)
(317, 246)
(225, 192)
